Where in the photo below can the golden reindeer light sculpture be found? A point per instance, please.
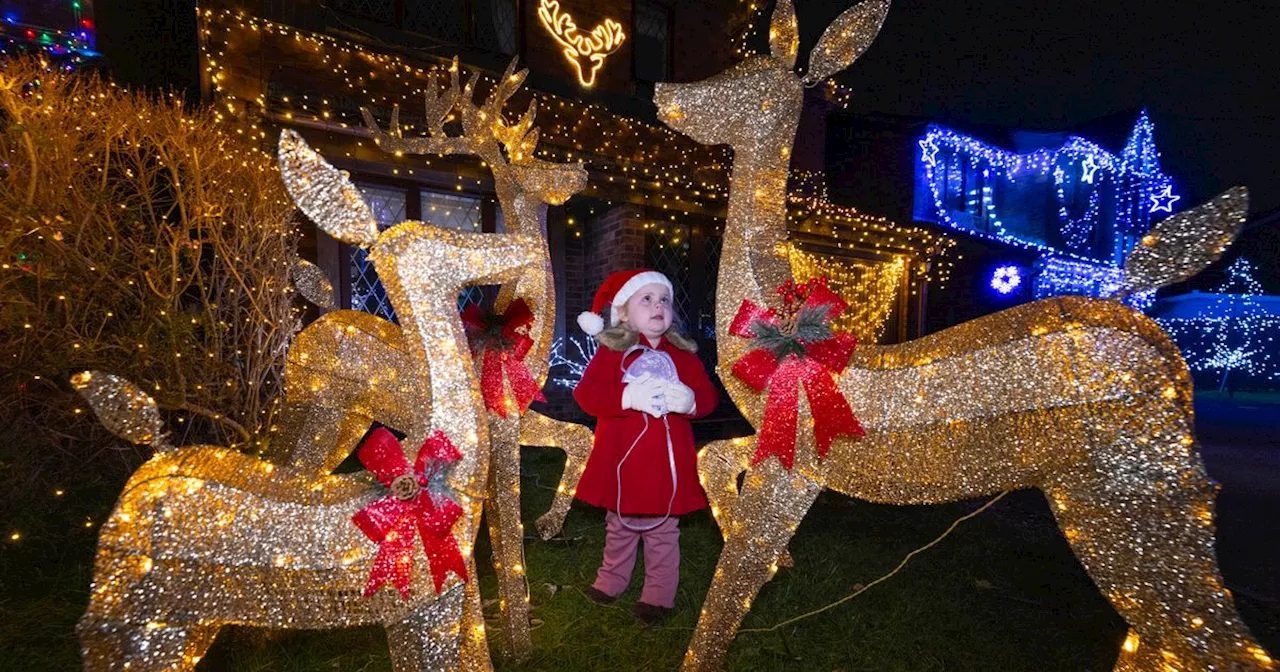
(204, 536)
(525, 186)
(1085, 399)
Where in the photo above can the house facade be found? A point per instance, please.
(1040, 213)
(654, 198)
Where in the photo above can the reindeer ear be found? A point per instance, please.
(845, 39)
(784, 33)
(1184, 244)
(324, 193)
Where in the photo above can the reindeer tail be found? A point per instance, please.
(1181, 246)
(311, 283)
(123, 409)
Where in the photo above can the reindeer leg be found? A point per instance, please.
(427, 637)
(1143, 529)
(576, 441)
(771, 506)
(506, 533)
(475, 646)
(107, 645)
(719, 464)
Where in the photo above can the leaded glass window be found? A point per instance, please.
(454, 211)
(495, 25)
(390, 206)
(378, 10)
(442, 19)
(666, 250)
(367, 293)
(652, 42)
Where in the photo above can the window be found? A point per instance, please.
(652, 50)
(378, 10)
(441, 19)
(666, 250)
(489, 24)
(494, 25)
(455, 212)
(367, 292)
(392, 205)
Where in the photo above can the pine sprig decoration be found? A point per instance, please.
(813, 325)
(490, 335)
(774, 339)
(791, 336)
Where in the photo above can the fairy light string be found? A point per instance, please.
(630, 160)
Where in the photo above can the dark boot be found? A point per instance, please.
(598, 596)
(650, 614)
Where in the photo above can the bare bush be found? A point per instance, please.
(140, 238)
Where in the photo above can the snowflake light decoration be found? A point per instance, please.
(1006, 279)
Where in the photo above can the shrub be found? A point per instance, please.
(140, 238)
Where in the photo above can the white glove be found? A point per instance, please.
(680, 398)
(645, 394)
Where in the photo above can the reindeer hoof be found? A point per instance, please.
(549, 526)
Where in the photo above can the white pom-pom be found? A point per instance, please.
(591, 323)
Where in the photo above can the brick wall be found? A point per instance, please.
(572, 275)
(610, 241)
(615, 242)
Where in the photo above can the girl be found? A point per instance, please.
(643, 387)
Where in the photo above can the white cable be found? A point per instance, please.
(671, 453)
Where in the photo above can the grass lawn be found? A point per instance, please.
(1003, 592)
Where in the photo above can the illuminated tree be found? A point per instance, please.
(1233, 329)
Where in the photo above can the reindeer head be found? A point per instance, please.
(585, 51)
(759, 100)
(551, 183)
(422, 267)
(328, 197)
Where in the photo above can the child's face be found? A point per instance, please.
(648, 311)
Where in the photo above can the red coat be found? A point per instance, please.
(646, 475)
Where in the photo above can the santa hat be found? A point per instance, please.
(615, 291)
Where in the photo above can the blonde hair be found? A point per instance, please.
(622, 336)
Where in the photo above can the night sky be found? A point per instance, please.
(1206, 71)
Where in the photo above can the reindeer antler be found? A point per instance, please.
(521, 138)
(483, 126)
(438, 107)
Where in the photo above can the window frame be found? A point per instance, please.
(413, 211)
(669, 11)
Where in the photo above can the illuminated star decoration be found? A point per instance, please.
(1089, 166)
(929, 152)
(1164, 200)
(1006, 279)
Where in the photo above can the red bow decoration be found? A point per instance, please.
(502, 342)
(391, 521)
(786, 354)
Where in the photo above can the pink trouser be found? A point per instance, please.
(661, 558)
